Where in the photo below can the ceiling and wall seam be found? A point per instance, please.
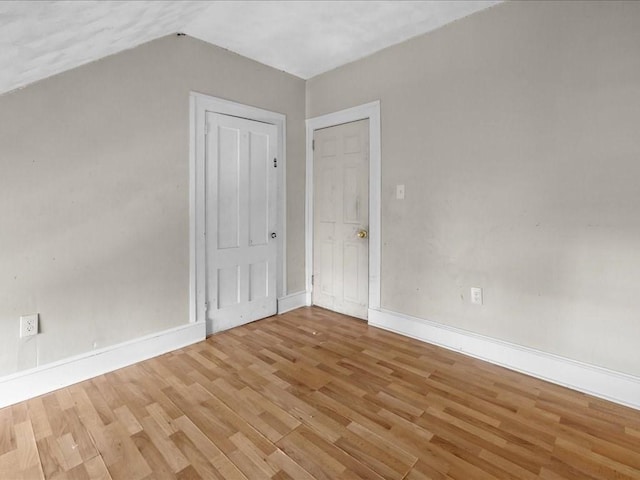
(44, 38)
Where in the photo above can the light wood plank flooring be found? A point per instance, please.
(314, 394)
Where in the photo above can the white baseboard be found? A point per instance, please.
(600, 382)
(293, 301)
(37, 381)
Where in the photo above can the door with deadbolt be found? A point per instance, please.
(341, 218)
(241, 195)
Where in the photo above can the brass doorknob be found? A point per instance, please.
(362, 234)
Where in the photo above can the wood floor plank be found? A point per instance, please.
(39, 418)
(209, 449)
(315, 394)
(170, 453)
(96, 469)
(321, 458)
(197, 460)
(27, 448)
(51, 457)
(7, 438)
(155, 460)
(121, 455)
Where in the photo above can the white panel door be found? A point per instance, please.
(341, 218)
(240, 220)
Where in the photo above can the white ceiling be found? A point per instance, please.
(305, 38)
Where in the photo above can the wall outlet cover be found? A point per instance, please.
(28, 325)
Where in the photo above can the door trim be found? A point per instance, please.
(199, 104)
(369, 111)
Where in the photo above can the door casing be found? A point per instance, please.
(369, 111)
(199, 104)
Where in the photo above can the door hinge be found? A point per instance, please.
(275, 162)
(313, 145)
(207, 128)
(312, 279)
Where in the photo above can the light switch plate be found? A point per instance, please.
(476, 295)
(400, 192)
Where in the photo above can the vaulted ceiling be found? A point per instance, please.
(305, 38)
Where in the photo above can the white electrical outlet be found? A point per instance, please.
(476, 295)
(28, 325)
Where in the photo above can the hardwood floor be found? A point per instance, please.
(314, 394)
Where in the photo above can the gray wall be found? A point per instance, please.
(94, 193)
(517, 134)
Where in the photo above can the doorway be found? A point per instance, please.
(341, 218)
(237, 212)
(371, 113)
(241, 237)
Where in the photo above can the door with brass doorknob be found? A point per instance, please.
(341, 218)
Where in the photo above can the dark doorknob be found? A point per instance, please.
(274, 234)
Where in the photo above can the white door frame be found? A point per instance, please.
(199, 104)
(369, 111)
